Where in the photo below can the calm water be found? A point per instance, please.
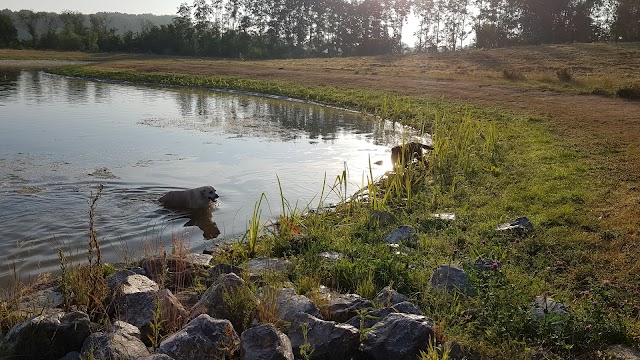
(60, 138)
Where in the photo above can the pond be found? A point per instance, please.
(61, 137)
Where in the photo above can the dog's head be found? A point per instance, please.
(209, 192)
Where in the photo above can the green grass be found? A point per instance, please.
(488, 166)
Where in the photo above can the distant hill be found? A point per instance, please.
(119, 21)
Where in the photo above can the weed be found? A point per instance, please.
(155, 336)
(306, 350)
(564, 74)
(256, 226)
(512, 74)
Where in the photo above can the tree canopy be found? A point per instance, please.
(317, 28)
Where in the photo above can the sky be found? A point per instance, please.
(156, 7)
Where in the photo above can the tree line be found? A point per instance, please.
(316, 28)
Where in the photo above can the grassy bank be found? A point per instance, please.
(489, 166)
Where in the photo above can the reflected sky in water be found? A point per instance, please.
(60, 137)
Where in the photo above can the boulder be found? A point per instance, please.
(345, 306)
(388, 297)
(398, 336)
(126, 282)
(289, 304)
(158, 357)
(50, 335)
(46, 298)
(265, 342)
(327, 339)
(543, 306)
(262, 264)
(331, 256)
(114, 345)
(383, 218)
(404, 234)
(521, 223)
(202, 338)
(622, 352)
(136, 299)
(222, 269)
(74, 355)
(452, 278)
(213, 300)
(374, 316)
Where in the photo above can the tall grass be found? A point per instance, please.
(255, 228)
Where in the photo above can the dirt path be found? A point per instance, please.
(607, 130)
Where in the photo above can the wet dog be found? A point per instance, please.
(197, 198)
(406, 153)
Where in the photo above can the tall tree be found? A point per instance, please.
(8, 31)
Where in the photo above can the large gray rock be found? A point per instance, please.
(389, 297)
(622, 352)
(374, 316)
(345, 306)
(522, 224)
(404, 234)
(398, 336)
(201, 339)
(383, 218)
(222, 269)
(114, 345)
(45, 298)
(48, 336)
(543, 306)
(158, 357)
(265, 342)
(289, 304)
(262, 264)
(452, 279)
(136, 301)
(126, 282)
(327, 339)
(213, 300)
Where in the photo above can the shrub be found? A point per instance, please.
(512, 74)
(629, 92)
(564, 74)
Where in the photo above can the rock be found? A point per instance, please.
(74, 355)
(521, 223)
(126, 282)
(404, 234)
(114, 345)
(486, 264)
(374, 316)
(327, 339)
(331, 256)
(343, 307)
(48, 336)
(221, 269)
(213, 301)
(398, 336)
(388, 297)
(138, 309)
(202, 338)
(452, 278)
(195, 259)
(46, 298)
(543, 306)
(262, 264)
(265, 342)
(445, 216)
(622, 352)
(158, 357)
(124, 328)
(383, 218)
(289, 304)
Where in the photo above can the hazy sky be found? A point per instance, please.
(157, 7)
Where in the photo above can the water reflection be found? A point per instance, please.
(55, 132)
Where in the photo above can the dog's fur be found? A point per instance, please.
(407, 152)
(197, 198)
